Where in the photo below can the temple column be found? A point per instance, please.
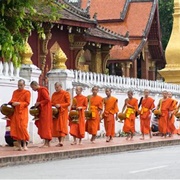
(44, 50)
(97, 61)
(126, 69)
(171, 72)
(152, 71)
(145, 64)
(134, 69)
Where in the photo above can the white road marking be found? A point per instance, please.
(148, 169)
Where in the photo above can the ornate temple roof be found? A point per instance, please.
(139, 17)
(103, 35)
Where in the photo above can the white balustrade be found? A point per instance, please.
(8, 71)
(123, 83)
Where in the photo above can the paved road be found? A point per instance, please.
(160, 163)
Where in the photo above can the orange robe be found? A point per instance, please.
(171, 120)
(44, 123)
(145, 114)
(19, 120)
(129, 123)
(166, 106)
(110, 108)
(78, 129)
(60, 124)
(95, 105)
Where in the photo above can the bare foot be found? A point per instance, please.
(25, 148)
(141, 138)
(80, 143)
(73, 143)
(44, 146)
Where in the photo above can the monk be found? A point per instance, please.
(61, 100)
(19, 120)
(147, 105)
(110, 109)
(77, 130)
(171, 120)
(131, 106)
(165, 106)
(95, 105)
(44, 123)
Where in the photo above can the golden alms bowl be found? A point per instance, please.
(88, 114)
(34, 111)
(122, 116)
(55, 110)
(7, 109)
(177, 115)
(157, 112)
(74, 114)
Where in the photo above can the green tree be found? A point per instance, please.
(166, 19)
(17, 19)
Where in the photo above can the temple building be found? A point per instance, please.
(120, 38)
(144, 55)
(86, 44)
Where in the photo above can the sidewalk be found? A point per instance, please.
(9, 157)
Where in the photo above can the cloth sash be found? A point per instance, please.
(129, 111)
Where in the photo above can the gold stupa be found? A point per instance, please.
(171, 72)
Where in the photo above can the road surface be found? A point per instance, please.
(159, 163)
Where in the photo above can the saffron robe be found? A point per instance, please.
(44, 123)
(171, 120)
(19, 119)
(110, 108)
(95, 105)
(166, 106)
(78, 129)
(60, 124)
(129, 122)
(145, 114)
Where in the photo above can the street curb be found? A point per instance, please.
(92, 151)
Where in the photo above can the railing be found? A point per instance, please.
(123, 83)
(8, 71)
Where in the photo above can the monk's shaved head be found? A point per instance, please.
(21, 84)
(21, 81)
(79, 90)
(34, 85)
(58, 84)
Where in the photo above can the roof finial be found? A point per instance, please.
(127, 34)
(95, 16)
(88, 6)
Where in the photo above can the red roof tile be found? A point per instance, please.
(105, 9)
(124, 53)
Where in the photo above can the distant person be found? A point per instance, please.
(147, 105)
(110, 109)
(131, 106)
(95, 105)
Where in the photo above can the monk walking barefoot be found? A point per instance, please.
(77, 128)
(61, 100)
(95, 105)
(44, 123)
(110, 109)
(131, 106)
(145, 114)
(19, 120)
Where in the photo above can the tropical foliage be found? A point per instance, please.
(166, 19)
(17, 19)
